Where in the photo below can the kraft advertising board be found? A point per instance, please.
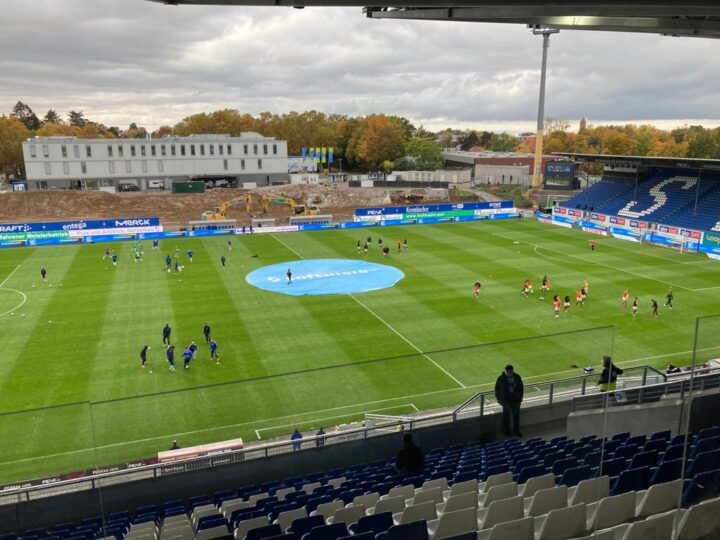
(427, 208)
(79, 225)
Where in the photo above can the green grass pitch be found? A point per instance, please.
(70, 353)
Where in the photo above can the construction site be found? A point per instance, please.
(178, 210)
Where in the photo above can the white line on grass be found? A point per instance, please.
(627, 363)
(257, 431)
(415, 407)
(379, 318)
(9, 276)
(2, 287)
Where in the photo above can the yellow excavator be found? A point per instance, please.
(299, 209)
(219, 212)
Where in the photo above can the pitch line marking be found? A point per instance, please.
(257, 431)
(2, 287)
(435, 392)
(406, 340)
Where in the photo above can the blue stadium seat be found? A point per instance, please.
(303, 525)
(362, 536)
(667, 471)
(530, 472)
(704, 486)
(374, 523)
(562, 465)
(612, 467)
(573, 476)
(644, 459)
(704, 444)
(592, 459)
(703, 462)
(327, 532)
(659, 445)
(630, 480)
(210, 522)
(626, 451)
(621, 437)
(260, 533)
(407, 531)
(661, 435)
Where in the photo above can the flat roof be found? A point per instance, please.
(654, 161)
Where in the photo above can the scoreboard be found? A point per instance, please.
(560, 175)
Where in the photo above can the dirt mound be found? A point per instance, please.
(177, 209)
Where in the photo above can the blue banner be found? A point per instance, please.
(425, 208)
(210, 232)
(79, 225)
(304, 152)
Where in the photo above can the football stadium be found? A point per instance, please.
(449, 370)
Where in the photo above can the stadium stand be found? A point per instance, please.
(667, 196)
(536, 489)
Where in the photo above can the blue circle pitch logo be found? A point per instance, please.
(324, 276)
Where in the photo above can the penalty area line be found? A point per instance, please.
(9, 276)
(2, 287)
(406, 340)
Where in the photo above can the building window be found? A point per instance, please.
(83, 167)
(121, 150)
(255, 149)
(46, 150)
(33, 151)
(76, 151)
(242, 164)
(220, 149)
(229, 150)
(144, 165)
(192, 149)
(66, 168)
(111, 167)
(41, 185)
(110, 151)
(212, 149)
(265, 149)
(163, 150)
(259, 164)
(182, 149)
(160, 165)
(63, 150)
(128, 166)
(274, 149)
(142, 150)
(245, 149)
(153, 150)
(48, 168)
(172, 149)
(202, 149)
(225, 164)
(88, 150)
(132, 150)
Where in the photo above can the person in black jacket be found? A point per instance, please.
(509, 394)
(608, 377)
(410, 459)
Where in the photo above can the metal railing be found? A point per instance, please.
(558, 390)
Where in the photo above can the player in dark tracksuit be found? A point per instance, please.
(170, 353)
(206, 332)
(166, 334)
(143, 355)
(168, 262)
(43, 274)
(669, 298)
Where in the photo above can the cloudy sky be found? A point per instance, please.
(123, 61)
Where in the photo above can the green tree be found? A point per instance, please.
(52, 117)
(704, 144)
(469, 141)
(12, 134)
(77, 119)
(404, 124)
(25, 114)
(376, 139)
(503, 142)
(420, 155)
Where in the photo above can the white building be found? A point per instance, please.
(112, 164)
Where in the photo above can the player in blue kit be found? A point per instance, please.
(114, 259)
(192, 348)
(168, 262)
(170, 354)
(177, 266)
(187, 355)
(213, 351)
(143, 355)
(190, 254)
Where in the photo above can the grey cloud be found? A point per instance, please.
(131, 60)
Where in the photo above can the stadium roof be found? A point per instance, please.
(649, 161)
(689, 18)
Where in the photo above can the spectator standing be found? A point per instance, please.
(410, 459)
(608, 377)
(296, 438)
(320, 438)
(509, 394)
(174, 445)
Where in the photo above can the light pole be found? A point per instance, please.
(537, 169)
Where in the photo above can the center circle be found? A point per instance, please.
(324, 276)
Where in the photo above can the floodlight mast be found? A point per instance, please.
(537, 169)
